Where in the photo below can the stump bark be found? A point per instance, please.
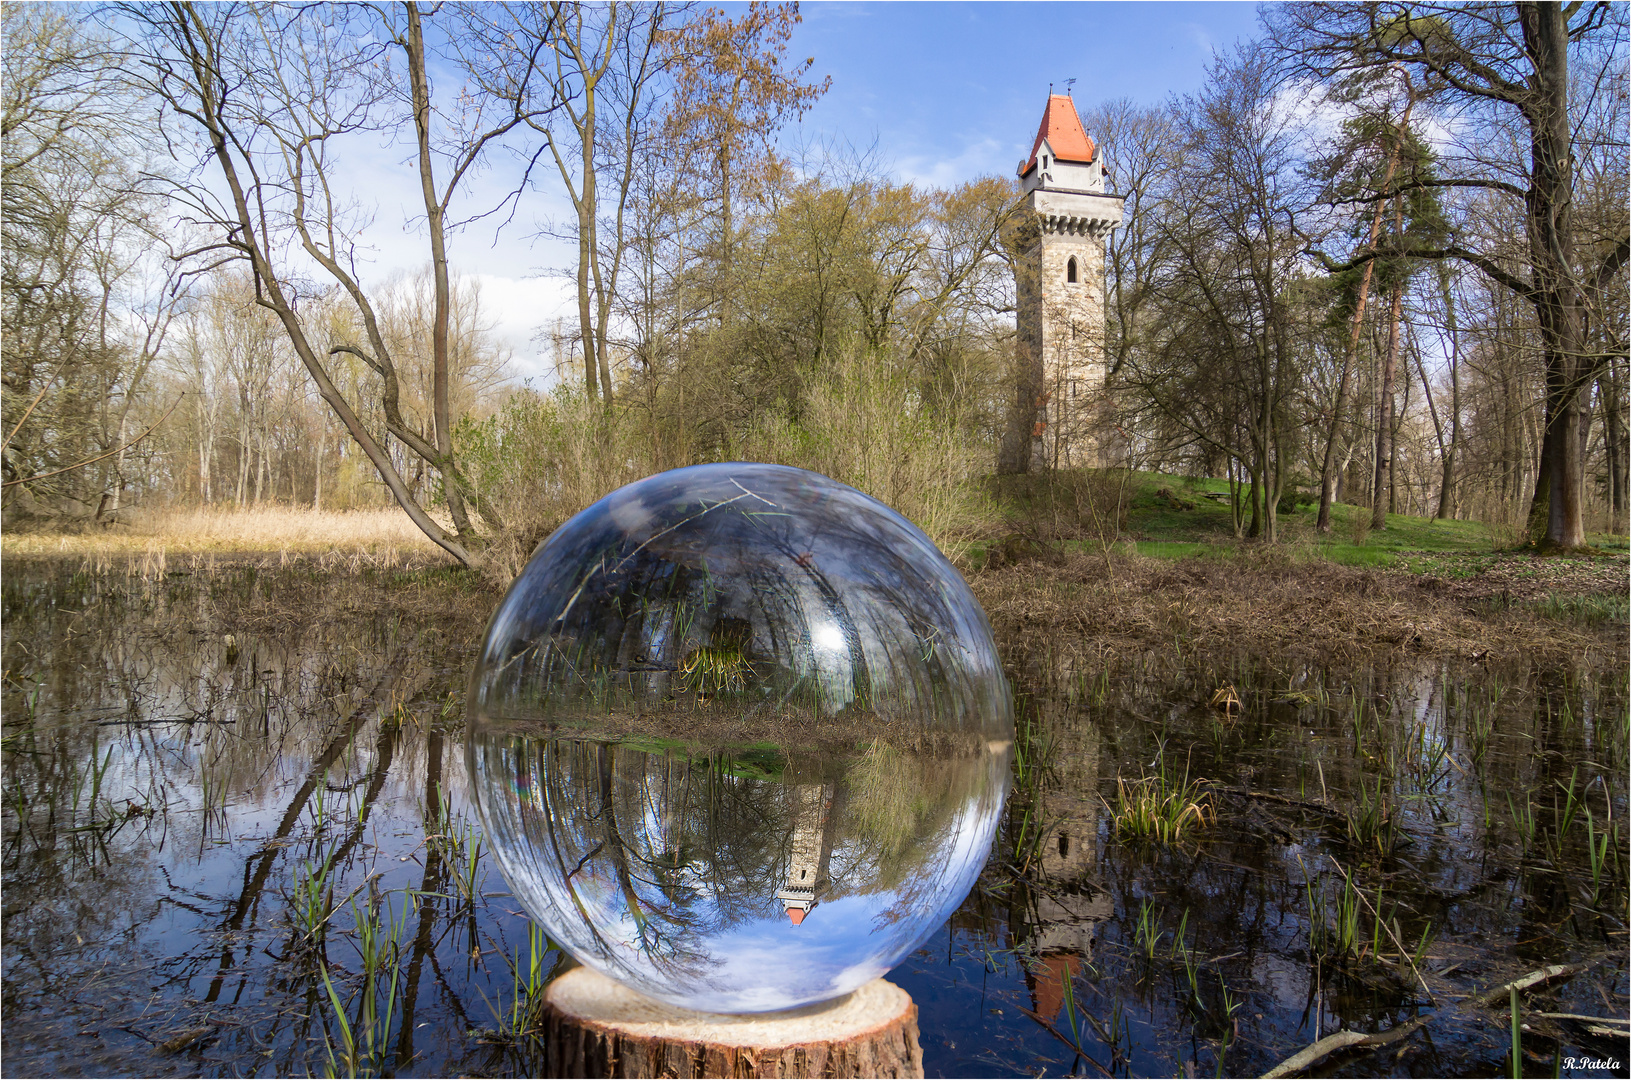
(595, 1026)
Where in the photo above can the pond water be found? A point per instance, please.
(230, 852)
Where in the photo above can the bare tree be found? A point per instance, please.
(1503, 63)
(596, 65)
(83, 308)
(275, 93)
(1228, 368)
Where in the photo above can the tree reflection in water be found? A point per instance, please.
(737, 881)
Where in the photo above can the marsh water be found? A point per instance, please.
(239, 846)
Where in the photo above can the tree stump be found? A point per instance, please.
(595, 1026)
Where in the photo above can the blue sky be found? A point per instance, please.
(951, 91)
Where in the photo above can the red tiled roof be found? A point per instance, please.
(796, 914)
(1063, 130)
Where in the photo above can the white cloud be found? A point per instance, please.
(1196, 33)
(517, 308)
(977, 158)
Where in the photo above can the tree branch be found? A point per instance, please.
(99, 457)
(1611, 265)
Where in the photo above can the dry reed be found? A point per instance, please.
(275, 529)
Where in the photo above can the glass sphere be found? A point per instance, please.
(739, 737)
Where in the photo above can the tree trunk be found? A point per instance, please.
(588, 205)
(1446, 490)
(594, 1026)
(1555, 290)
(441, 411)
(1393, 456)
(1025, 415)
(1614, 440)
(1384, 416)
(1323, 522)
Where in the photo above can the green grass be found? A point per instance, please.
(1173, 549)
(1174, 517)
(1589, 611)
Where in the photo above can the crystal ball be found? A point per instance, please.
(739, 737)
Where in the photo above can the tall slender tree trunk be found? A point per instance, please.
(1381, 487)
(1446, 489)
(441, 410)
(1614, 439)
(587, 205)
(1323, 522)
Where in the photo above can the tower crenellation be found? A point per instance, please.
(1058, 242)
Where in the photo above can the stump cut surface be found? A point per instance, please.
(596, 1026)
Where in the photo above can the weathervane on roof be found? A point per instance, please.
(1068, 84)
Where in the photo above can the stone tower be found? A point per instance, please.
(811, 848)
(1058, 245)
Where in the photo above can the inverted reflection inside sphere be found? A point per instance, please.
(740, 736)
(736, 881)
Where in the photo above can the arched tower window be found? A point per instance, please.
(1070, 271)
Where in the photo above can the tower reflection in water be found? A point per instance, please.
(738, 882)
(740, 736)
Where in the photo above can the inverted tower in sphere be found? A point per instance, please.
(1059, 418)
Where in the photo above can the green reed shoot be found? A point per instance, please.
(1193, 975)
(526, 991)
(1571, 806)
(1377, 930)
(1072, 1023)
(1480, 725)
(1119, 1032)
(1523, 820)
(1356, 721)
(1179, 946)
(1034, 754)
(459, 845)
(1596, 854)
(1231, 1004)
(1345, 940)
(1149, 933)
(1517, 1040)
(1094, 689)
(1338, 938)
(1027, 841)
(312, 901)
(365, 1040)
(467, 872)
(1372, 823)
(347, 1063)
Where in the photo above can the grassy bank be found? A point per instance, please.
(1268, 603)
(1170, 517)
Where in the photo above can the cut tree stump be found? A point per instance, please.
(595, 1026)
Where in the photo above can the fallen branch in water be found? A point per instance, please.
(1269, 796)
(1345, 1039)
